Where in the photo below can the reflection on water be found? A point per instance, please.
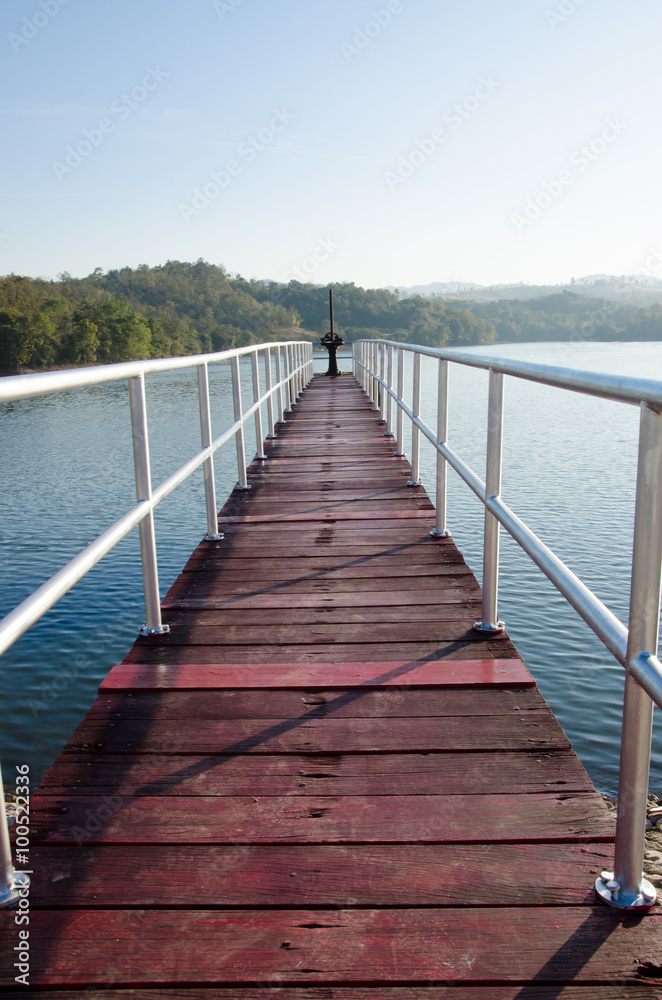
(67, 473)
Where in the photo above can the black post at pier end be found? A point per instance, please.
(331, 341)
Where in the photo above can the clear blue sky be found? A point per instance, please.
(387, 142)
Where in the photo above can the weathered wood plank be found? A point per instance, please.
(352, 570)
(441, 577)
(321, 819)
(350, 703)
(232, 635)
(166, 774)
(324, 675)
(237, 614)
(419, 947)
(533, 730)
(251, 560)
(309, 654)
(340, 513)
(458, 591)
(295, 876)
(617, 991)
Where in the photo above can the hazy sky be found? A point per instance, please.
(387, 142)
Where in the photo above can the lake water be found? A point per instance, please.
(569, 471)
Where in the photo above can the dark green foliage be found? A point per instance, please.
(181, 308)
(567, 316)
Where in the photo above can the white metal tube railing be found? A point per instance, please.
(636, 647)
(259, 436)
(153, 624)
(46, 596)
(490, 619)
(442, 434)
(206, 437)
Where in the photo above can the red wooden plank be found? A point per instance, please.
(130, 676)
(528, 731)
(319, 654)
(449, 592)
(275, 634)
(389, 819)
(350, 703)
(212, 584)
(315, 569)
(617, 991)
(293, 876)
(418, 947)
(166, 774)
(450, 610)
(338, 514)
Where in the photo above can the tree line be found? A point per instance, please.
(189, 308)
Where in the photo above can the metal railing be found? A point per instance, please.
(635, 647)
(294, 368)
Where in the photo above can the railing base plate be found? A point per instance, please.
(10, 896)
(489, 629)
(605, 887)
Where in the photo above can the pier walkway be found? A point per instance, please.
(323, 784)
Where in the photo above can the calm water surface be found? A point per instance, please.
(67, 473)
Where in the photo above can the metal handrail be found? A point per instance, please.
(294, 368)
(634, 647)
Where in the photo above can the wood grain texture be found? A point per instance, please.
(166, 773)
(430, 875)
(351, 703)
(402, 673)
(617, 991)
(401, 652)
(535, 730)
(516, 945)
(319, 819)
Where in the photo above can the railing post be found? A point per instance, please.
(627, 888)
(270, 399)
(374, 395)
(242, 482)
(293, 375)
(389, 402)
(259, 434)
(415, 432)
(12, 883)
(380, 388)
(279, 379)
(400, 417)
(490, 621)
(213, 534)
(153, 624)
(442, 433)
(288, 388)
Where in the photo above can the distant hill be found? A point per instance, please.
(637, 290)
(189, 308)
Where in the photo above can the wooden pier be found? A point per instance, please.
(323, 784)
